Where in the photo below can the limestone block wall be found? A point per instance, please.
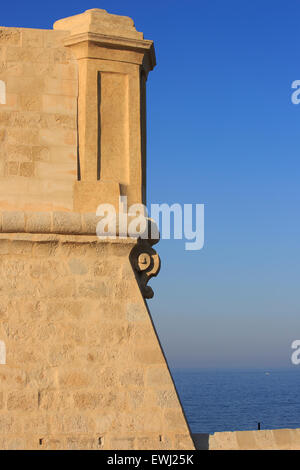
(38, 120)
(84, 367)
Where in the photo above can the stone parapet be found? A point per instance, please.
(267, 439)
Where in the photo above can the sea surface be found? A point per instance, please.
(229, 400)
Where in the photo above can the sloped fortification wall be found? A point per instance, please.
(38, 120)
(84, 366)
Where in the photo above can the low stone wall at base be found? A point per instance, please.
(269, 439)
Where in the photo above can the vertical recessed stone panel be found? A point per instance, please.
(113, 103)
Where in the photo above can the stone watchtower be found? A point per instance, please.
(81, 366)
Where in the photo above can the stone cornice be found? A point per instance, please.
(78, 228)
(65, 223)
(144, 46)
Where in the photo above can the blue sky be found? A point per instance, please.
(221, 131)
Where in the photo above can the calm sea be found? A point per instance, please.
(229, 400)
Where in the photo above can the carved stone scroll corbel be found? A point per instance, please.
(146, 264)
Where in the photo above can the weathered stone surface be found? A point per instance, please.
(73, 366)
(38, 122)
